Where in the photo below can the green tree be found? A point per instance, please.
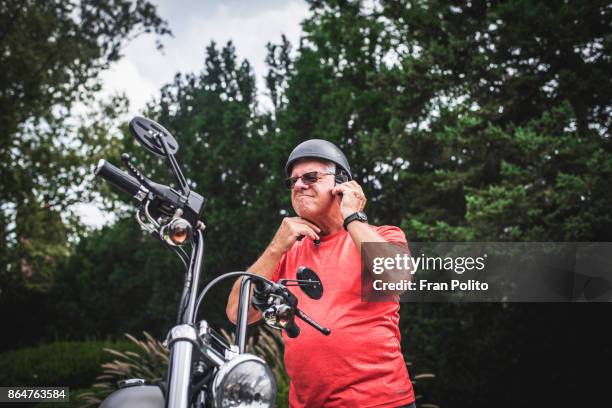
(475, 120)
(52, 54)
(519, 116)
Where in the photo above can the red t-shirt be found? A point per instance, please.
(360, 364)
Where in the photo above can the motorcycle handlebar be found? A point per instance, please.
(118, 177)
(260, 294)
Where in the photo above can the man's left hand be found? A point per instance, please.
(352, 197)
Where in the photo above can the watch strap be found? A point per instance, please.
(357, 216)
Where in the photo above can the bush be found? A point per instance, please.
(63, 363)
(151, 360)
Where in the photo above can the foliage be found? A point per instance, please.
(430, 108)
(149, 361)
(52, 54)
(443, 106)
(119, 279)
(63, 363)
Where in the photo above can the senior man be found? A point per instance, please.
(360, 364)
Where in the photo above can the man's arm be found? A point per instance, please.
(264, 266)
(354, 200)
(290, 229)
(361, 232)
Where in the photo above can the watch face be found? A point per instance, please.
(362, 216)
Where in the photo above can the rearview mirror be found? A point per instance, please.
(146, 132)
(313, 287)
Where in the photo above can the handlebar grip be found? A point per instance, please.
(118, 177)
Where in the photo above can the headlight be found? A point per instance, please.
(245, 381)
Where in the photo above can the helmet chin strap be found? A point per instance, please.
(340, 176)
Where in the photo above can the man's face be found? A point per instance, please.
(312, 201)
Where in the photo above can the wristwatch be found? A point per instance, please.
(358, 216)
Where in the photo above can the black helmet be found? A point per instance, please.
(321, 149)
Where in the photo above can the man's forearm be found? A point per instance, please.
(264, 266)
(361, 232)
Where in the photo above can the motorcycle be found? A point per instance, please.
(204, 370)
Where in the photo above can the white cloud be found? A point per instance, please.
(144, 70)
(124, 76)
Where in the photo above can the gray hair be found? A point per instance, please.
(330, 166)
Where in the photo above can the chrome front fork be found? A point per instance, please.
(181, 340)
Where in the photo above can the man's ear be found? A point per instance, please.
(337, 197)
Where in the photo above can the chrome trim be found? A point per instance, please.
(180, 372)
(99, 166)
(166, 230)
(181, 339)
(232, 352)
(131, 382)
(149, 218)
(182, 332)
(197, 255)
(212, 355)
(204, 331)
(141, 194)
(243, 314)
(143, 225)
(205, 336)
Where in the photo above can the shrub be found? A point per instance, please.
(151, 360)
(64, 363)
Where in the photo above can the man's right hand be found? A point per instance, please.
(290, 230)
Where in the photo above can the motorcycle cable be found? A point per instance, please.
(187, 289)
(180, 252)
(223, 277)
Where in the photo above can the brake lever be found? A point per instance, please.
(299, 313)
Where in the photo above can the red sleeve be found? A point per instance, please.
(391, 234)
(280, 269)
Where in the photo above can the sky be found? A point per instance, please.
(194, 24)
(143, 70)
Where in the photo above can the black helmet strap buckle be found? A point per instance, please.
(341, 176)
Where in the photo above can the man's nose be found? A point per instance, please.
(299, 184)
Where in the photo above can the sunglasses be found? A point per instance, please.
(307, 178)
